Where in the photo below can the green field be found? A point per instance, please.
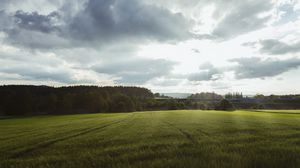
(153, 139)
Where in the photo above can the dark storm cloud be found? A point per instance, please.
(37, 22)
(242, 17)
(32, 30)
(36, 40)
(100, 22)
(117, 19)
(136, 70)
(276, 47)
(255, 67)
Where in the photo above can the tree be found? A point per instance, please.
(258, 106)
(23, 102)
(121, 103)
(65, 104)
(225, 105)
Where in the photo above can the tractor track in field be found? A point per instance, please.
(53, 141)
(24, 133)
(187, 135)
(203, 132)
(27, 132)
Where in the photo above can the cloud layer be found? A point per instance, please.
(160, 44)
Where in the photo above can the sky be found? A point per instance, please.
(168, 46)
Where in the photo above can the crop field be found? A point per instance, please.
(187, 138)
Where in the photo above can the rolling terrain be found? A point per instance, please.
(185, 138)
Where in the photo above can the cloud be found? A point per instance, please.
(117, 19)
(36, 40)
(206, 66)
(3, 4)
(41, 66)
(35, 72)
(95, 25)
(37, 22)
(207, 72)
(276, 47)
(250, 44)
(135, 70)
(256, 67)
(99, 22)
(32, 30)
(241, 17)
(31, 5)
(224, 20)
(60, 74)
(246, 68)
(6, 21)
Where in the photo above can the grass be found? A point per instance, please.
(153, 139)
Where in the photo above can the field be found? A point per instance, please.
(153, 139)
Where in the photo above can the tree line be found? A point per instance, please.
(31, 100)
(24, 99)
